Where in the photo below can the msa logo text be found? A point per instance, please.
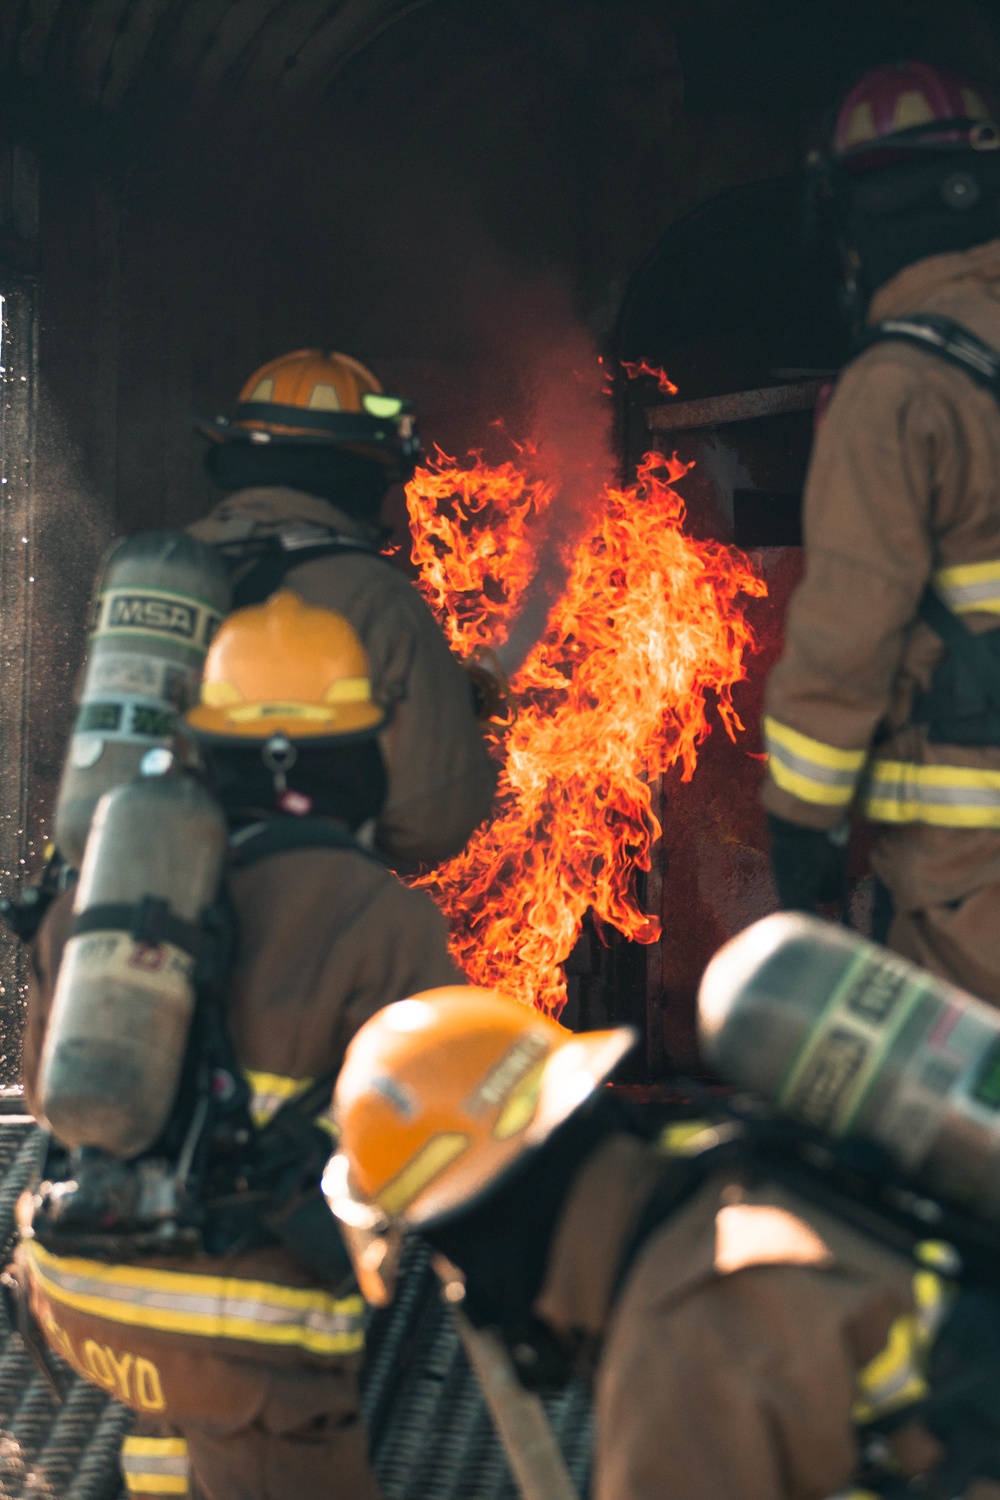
(148, 612)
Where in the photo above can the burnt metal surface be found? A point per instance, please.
(432, 1437)
(740, 406)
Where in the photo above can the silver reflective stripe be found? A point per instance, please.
(945, 796)
(811, 769)
(206, 1306)
(244, 1309)
(149, 1463)
(966, 598)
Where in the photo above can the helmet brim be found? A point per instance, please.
(341, 721)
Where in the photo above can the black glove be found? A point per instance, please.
(809, 864)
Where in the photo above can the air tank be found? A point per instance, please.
(124, 996)
(854, 1041)
(161, 599)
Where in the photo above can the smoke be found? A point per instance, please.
(569, 429)
(506, 363)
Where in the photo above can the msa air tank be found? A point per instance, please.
(161, 598)
(124, 995)
(854, 1041)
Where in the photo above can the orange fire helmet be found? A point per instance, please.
(285, 668)
(441, 1094)
(331, 399)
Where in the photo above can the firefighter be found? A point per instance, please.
(306, 461)
(887, 697)
(743, 1338)
(250, 1356)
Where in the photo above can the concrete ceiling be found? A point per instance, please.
(104, 54)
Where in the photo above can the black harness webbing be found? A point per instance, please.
(944, 339)
(150, 921)
(270, 836)
(959, 638)
(852, 1181)
(271, 559)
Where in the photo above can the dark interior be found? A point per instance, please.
(473, 198)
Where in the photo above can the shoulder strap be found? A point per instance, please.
(274, 557)
(945, 339)
(279, 835)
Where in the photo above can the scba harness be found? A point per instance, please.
(218, 1181)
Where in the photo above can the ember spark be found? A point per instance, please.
(649, 628)
(635, 369)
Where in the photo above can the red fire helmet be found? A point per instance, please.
(910, 106)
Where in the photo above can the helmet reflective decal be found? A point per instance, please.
(911, 109)
(324, 398)
(433, 1158)
(521, 1105)
(506, 1074)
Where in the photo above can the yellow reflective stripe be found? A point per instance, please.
(155, 1466)
(270, 1091)
(893, 1378)
(155, 1447)
(140, 1483)
(686, 1138)
(970, 588)
(896, 1377)
(226, 1307)
(808, 768)
(897, 791)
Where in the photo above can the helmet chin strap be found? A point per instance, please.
(854, 295)
(279, 756)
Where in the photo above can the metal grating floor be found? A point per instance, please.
(432, 1437)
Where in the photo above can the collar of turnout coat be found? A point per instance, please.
(265, 510)
(914, 285)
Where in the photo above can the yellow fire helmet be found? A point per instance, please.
(317, 398)
(441, 1094)
(285, 668)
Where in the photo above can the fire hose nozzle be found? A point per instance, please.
(491, 694)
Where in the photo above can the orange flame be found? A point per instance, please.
(614, 694)
(475, 544)
(633, 369)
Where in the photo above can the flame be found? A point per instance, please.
(475, 539)
(650, 624)
(634, 369)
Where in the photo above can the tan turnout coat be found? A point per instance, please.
(730, 1358)
(903, 489)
